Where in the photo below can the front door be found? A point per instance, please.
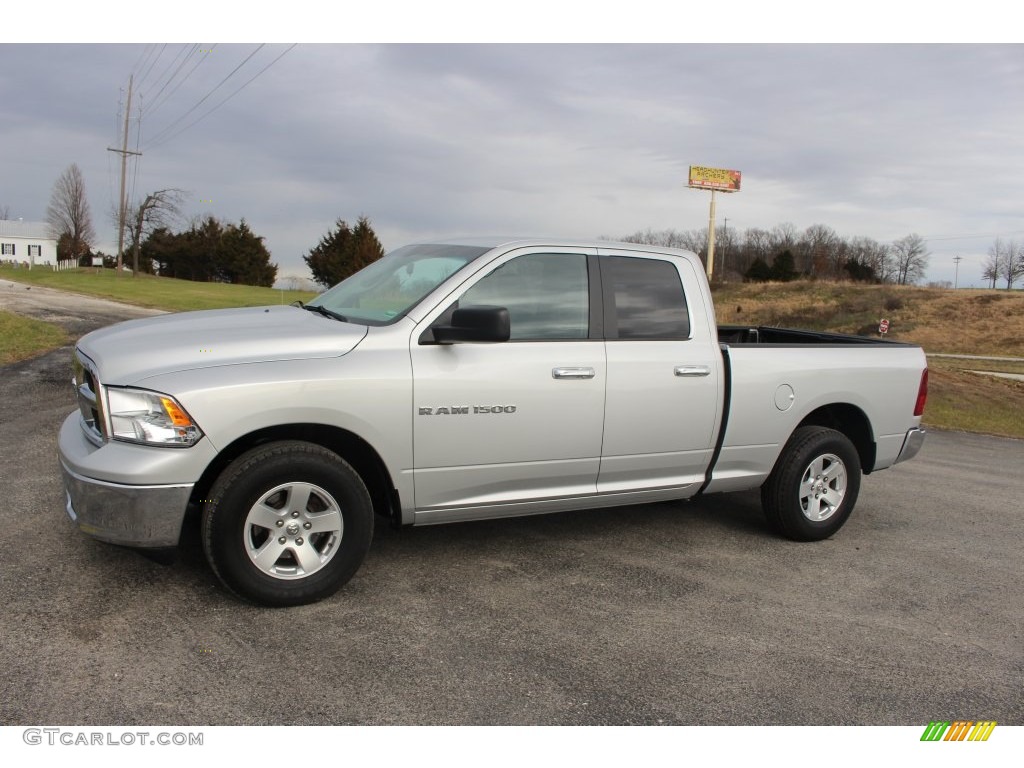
(514, 423)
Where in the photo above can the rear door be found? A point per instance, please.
(663, 397)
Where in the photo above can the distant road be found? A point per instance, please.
(1016, 376)
(75, 313)
(980, 357)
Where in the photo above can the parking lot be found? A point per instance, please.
(660, 614)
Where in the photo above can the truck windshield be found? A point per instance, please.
(387, 289)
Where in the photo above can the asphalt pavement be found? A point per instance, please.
(676, 613)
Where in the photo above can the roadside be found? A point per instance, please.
(36, 320)
(23, 337)
(144, 290)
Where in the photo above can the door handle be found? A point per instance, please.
(693, 370)
(572, 373)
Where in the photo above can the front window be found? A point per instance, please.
(387, 289)
(546, 295)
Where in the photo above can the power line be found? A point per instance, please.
(970, 237)
(169, 79)
(159, 141)
(142, 79)
(152, 110)
(143, 57)
(160, 137)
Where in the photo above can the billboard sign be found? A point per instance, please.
(702, 177)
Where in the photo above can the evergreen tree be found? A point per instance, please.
(759, 271)
(212, 251)
(343, 252)
(783, 267)
(242, 258)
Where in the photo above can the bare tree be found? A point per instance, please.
(910, 259)
(993, 266)
(5, 213)
(68, 212)
(160, 209)
(818, 251)
(872, 255)
(1011, 269)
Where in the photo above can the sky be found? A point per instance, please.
(563, 132)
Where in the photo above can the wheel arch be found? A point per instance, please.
(852, 422)
(363, 458)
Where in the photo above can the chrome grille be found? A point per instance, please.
(87, 387)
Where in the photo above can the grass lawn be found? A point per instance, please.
(970, 402)
(23, 337)
(150, 291)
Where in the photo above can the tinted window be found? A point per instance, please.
(643, 299)
(545, 293)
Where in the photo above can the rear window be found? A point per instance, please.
(643, 299)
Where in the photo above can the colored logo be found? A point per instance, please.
(958, 730)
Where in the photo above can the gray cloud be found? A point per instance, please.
(569, 140)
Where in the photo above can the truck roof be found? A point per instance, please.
(493, 241)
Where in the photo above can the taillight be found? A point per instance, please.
(922, 394)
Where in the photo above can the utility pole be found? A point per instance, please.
(123, 212)
(725, 244)
(714, 179)
(956, 271)
(711, 238)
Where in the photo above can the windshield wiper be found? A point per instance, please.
(325, 312)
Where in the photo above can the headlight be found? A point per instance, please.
(151, 418)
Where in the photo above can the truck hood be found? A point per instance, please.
(136, 349)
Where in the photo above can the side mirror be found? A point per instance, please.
(475, 324)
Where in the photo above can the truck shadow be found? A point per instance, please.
(731, 520)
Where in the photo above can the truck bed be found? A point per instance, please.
(734, 335)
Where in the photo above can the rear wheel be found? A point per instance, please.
(814, 486)
(287, 523)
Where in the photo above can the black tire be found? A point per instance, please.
(287, 523)
(813, 488)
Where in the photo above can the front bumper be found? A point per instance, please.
(114, 492)
(131, 515)
(911, 445)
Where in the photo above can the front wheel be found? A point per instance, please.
(814, 486)
(287, 523)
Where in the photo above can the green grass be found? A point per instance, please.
(971, 402)
(23, 337)
(150, 291)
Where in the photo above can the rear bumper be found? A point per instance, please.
(911, 445)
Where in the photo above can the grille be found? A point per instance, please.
(87, 387)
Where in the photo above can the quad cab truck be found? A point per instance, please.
(468, 380)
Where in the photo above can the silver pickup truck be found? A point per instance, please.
(462, 381)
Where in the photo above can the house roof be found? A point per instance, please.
(36, 230)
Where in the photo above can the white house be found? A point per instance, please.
(27, 242)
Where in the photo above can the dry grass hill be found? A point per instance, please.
(961, 322)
